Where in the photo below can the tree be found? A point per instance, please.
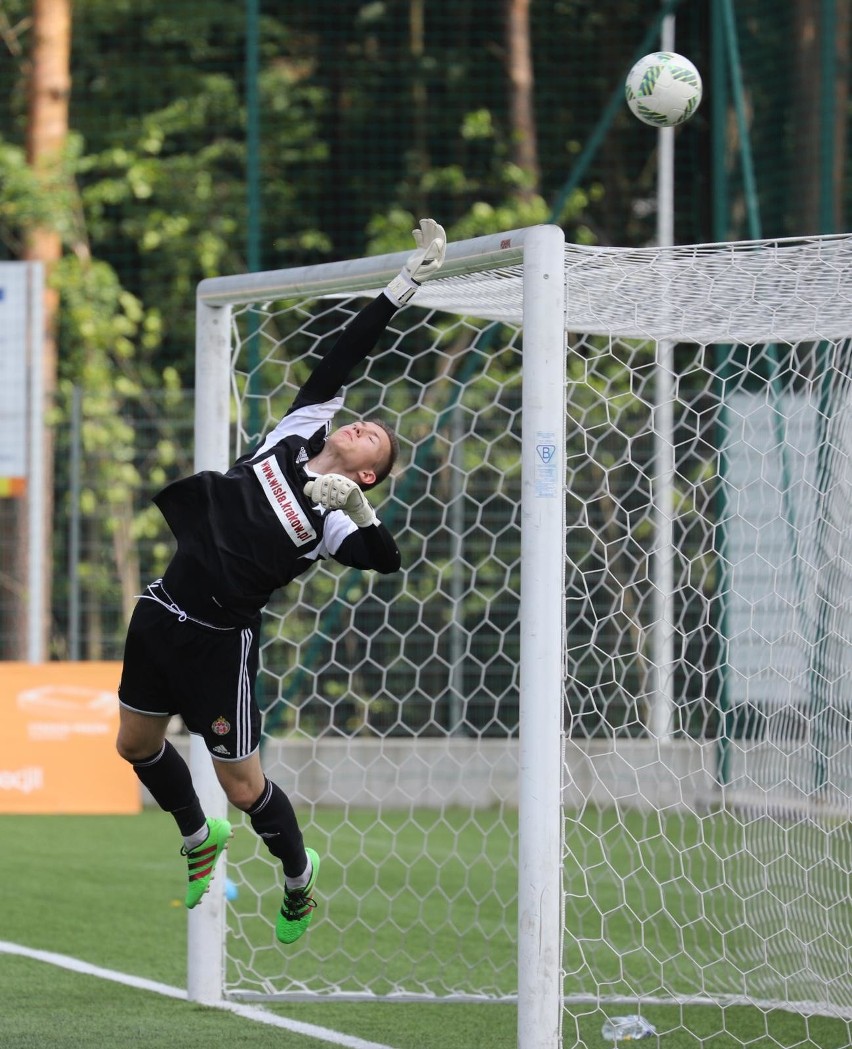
(815, 32)
(47, 134)
(519, 70)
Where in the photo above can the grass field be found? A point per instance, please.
(105, 891)
(414, 907)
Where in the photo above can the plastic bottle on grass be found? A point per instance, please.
(621, 1029)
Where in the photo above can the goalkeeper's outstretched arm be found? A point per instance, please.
(362, 333)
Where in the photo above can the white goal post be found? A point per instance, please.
(597, 750)
(540, 298)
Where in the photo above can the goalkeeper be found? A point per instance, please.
(192, 642)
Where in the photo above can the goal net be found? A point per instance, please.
(591, 746)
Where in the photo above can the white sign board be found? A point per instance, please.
(15, 312)
(784, 563)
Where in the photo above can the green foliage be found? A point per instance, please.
(111, 339)
(362, 127)
(48, 200)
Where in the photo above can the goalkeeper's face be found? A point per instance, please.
(364, 451)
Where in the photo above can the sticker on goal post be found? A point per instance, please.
(546, 463)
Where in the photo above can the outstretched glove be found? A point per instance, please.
(336, 492)
(431, 241)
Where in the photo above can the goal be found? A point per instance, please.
(590, 749)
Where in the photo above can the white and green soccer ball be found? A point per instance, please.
(663, 89)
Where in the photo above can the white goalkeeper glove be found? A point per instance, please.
(424, 263)
(335, 492)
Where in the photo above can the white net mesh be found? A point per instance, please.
(709, 859)
(392, 702)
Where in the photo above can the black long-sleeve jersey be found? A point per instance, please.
(245, 533)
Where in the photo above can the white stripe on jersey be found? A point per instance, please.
(243, 726)
(336, 527)
(303, 422)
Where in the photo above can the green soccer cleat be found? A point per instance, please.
(298, 906)
(202, 860)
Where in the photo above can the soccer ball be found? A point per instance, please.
(663, 89)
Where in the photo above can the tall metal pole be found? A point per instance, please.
(253, 207)
(721, 355)
(457, 706)
(206, 936)
(37, 471)
(661, 715)
(828, 89)
(253, 252)
(74, 489)
(542, 618)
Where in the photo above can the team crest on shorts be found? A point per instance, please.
(221, 727)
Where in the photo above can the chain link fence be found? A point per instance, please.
(107, 537)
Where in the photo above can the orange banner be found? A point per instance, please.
(57, 744)
(12, 486)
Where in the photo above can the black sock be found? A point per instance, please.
(167, 777)
(273, 818)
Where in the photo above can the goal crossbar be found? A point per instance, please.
(362, 275)
(729, 292)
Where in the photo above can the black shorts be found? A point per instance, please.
(174, 665)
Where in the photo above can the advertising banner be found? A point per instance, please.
(57, 747)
